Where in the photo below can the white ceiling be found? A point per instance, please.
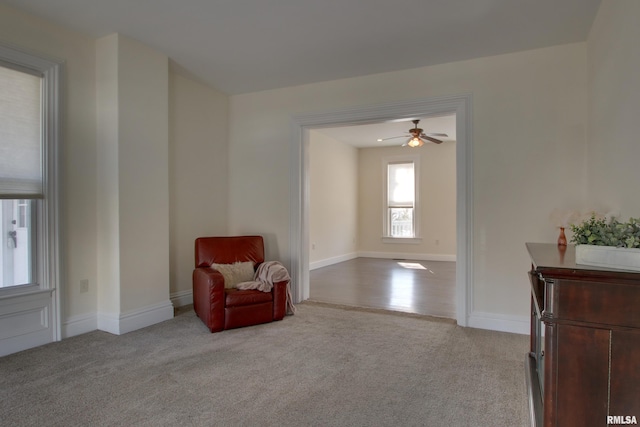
(240, 46)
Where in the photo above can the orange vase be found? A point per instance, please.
(562, 239)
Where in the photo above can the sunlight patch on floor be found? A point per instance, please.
(412, 265)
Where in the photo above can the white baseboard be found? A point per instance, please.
(83, 323)
(383, 255)
(500, 322)
(78, 325)
(333, 260)
(409, 256)
(182, 298)
(122, 323)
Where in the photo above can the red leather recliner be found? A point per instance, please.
(221, 308)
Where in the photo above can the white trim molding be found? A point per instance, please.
(122, 323)
(408, 256)
(401, 240)
(333, 260)
(25, 321)
(461, 105)
(182, 298)
(83, 323)
(500, 322)
(80, 324)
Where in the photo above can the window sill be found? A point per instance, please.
(22, 290)
(404, 240)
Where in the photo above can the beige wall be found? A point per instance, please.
(614, 101)
(198, 172)
(529, 133)
(107, 190)
(197, 124)
(133, 213)
(333, 213)
(143, 175)
(437, 202)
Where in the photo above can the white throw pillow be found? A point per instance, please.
(235, 273)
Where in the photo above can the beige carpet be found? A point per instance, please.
(325, 366)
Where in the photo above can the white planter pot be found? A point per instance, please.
(608, 257)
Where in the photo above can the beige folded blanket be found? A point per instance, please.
(267, 274)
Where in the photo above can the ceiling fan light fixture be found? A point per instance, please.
(415, 142)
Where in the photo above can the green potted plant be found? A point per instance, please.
(607, 243)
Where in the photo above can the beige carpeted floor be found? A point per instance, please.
(325, 366)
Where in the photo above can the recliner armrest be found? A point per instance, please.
(207, 276)
(208, 297)
(279, 299)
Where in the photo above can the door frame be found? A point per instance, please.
(461, 105)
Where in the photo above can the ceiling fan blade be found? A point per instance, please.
(437, 134)
(392, 137)
(437, 141)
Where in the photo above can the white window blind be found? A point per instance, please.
(401, 185)
(20, 135)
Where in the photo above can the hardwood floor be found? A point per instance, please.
(422, 287)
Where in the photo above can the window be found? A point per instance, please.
(28, 171)
(400, 198)
(29, 255)
(20, 171)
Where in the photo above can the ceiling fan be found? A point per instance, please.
(418, 137)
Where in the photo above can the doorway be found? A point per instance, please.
(460, 105)
(382, 216)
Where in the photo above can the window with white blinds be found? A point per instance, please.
(401, 185)
(29, 248)
(21, 157)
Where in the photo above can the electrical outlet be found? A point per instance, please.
(84, 285)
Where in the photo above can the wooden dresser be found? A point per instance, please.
(584, 365)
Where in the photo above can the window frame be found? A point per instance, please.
(386, 220)
(46, 269)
